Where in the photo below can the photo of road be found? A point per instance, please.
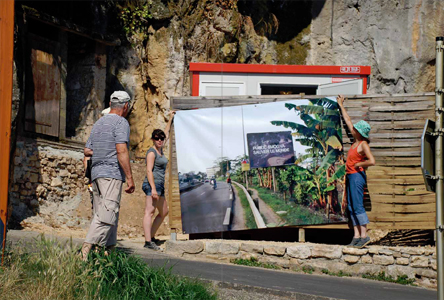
(293, 150)
(205, 209)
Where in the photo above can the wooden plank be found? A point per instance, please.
(403, 208)
(403, 108)
(175, 215)
(381, 217)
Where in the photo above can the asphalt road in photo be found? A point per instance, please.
(204, 209)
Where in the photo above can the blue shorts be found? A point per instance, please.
(355, 198)
(146, 187)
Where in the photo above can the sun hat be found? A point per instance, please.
(120, 97)
(363, 128)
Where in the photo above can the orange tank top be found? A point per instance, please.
(353, 157)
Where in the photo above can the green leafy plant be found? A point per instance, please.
(253, 262)
(307, 269)
(402, 279)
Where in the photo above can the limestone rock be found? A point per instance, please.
(413, 250)
(402, 261)
(384, 251)
(274, 250)
(367, 259)
(222, 248)
(252, 248)
(327, 251)
(299, 251)
(56, 182)
(383, 260)
(427, 273)
(351, 259)
(419, 262)
(354, 251)
(180, 247)
(396, 270)
(64, 173)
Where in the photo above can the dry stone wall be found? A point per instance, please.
(47, 182)
(417, 263)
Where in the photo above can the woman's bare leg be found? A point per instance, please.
(150, 207)
(363, 230)
(356, 231)
(162, 207)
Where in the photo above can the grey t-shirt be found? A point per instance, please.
(108, 131)
(160, 164)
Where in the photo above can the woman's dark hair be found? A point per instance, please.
(158, 133)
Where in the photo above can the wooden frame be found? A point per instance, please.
(397, 192)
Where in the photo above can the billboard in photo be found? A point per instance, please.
(287, 155)
(270, 149)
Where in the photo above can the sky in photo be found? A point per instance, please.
(204, 135)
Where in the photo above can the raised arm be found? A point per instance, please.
(124, 161)
(168, 127)
(346, 117)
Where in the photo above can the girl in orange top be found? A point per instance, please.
(359, 158)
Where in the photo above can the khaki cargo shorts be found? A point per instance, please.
(106, 203)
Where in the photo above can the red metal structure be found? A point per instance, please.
(6, 68)
(336, 71)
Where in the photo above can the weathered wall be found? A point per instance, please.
(396, 38)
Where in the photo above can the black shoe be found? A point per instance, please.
(152, 246)
(353, 242)
(154, 240)
(362, 242)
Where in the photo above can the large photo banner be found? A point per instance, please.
(257, 166)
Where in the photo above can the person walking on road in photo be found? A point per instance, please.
(154, 185)
(359, 158)
(110, 168)
(229, 181)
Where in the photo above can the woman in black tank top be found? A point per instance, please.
(154, 185)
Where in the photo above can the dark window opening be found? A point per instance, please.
(287, 89)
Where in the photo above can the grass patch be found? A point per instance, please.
(308, 269)
(55, 271)
(339, 274)
(403, 279)
(249, 217)
(253, 262)
(296, 215)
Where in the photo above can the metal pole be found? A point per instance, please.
(439, 163)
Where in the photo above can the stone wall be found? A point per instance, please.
(418, 263)
(45, 178)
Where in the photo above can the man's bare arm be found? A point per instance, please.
(124, 161)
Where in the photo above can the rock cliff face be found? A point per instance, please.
(396, 38)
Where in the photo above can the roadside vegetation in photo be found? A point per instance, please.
(54, 270)
(316, 182)
(294, 214)
(253, 262)
(250, 222)
(402, 279)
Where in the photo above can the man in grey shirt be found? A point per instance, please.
(108, 148)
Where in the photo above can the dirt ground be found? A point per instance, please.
(130, 218)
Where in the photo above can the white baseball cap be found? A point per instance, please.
(120, 97)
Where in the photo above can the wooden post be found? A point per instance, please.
(6, 69)
(301, 235)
